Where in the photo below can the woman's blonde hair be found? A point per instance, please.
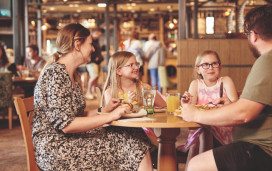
(65, 41)
(118, 60)
(199, 58)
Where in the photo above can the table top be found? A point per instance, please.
(28, 79)
(158, 120)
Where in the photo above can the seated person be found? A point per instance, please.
(33, 62)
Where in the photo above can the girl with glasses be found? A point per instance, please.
(123, 80)
(206, 90)
(123, 83)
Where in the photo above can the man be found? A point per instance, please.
(155, 53)
(33, 63)
(251, 115)
(93, 67)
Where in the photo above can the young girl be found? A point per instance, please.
(123, 83)
(123, 80)
(206, 90)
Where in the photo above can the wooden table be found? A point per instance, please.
(27, 84)
(167, 128)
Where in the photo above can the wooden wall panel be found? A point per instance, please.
(234, 54)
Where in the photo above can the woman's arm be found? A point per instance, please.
(230, 88)
(82, 124)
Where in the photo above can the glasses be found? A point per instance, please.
(137, 65)
(247, 33)
(207, 65)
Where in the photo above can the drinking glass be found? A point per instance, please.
(149, 95)
(172, 102)
(25, 73)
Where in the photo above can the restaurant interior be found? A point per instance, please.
(184, 27)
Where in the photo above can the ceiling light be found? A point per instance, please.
(101, 4)
(33, 23)
(171, 25)
(45, 26)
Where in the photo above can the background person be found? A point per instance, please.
(251, 115)
(33, 62)
(155, 53)
(64, 137)
(133, 45)
(4, 62)
(93, 67)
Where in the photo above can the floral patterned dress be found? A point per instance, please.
(56, 104)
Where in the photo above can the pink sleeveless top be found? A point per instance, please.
(208, 94)
(205, 95)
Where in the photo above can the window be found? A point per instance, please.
(209, 25)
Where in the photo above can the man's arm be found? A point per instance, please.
(236, 113)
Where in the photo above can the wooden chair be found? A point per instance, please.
(24, 106)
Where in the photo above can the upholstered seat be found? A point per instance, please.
(6, 95)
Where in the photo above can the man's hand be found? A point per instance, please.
(188, 112)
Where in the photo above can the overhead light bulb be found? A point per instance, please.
(101, 4)
(171, 25)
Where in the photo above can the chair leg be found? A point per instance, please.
(10, 117)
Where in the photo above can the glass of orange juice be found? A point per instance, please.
(172, 102)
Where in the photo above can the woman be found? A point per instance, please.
(64, 138)
(4, 62)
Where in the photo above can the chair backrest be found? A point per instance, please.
(5, 89)
(24, 106)
(98, 93)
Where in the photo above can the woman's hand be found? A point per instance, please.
(186, 98)
(188, 112)
(113, 103)
(120, 110)
(132, 96)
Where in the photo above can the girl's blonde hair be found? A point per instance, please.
(65, 42)
(199, 58)
(113, 81)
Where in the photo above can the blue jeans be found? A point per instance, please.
(155, 81)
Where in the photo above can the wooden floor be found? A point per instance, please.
(12, 147)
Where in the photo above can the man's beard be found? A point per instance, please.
(254, 50)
